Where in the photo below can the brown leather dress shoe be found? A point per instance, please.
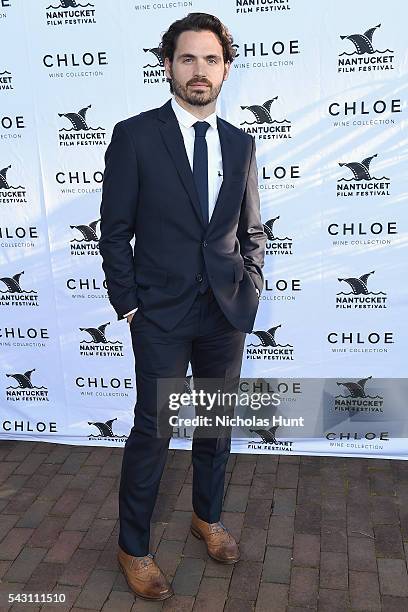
(144, 576)
(221, 545)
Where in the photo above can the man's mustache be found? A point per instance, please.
(193, 81)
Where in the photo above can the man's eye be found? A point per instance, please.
(187, 60)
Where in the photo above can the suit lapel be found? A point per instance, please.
(226, 153)
(173, 139)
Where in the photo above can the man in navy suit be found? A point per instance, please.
(183, 183)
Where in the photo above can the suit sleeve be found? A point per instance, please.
(250, 232)
(118, 218)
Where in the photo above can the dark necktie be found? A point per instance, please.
(200, 166)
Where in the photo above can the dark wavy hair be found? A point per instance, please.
(197, 22)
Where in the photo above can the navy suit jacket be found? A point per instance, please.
(149, 194)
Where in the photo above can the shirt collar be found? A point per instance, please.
(187, 119)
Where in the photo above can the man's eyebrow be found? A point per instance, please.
(210, 56)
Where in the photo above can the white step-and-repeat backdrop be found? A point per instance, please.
(322, 86)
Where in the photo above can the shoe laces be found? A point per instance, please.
(145, 562)
(217, 527)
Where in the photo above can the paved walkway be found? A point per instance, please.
(316, 533)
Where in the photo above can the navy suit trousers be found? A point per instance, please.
(214, 347)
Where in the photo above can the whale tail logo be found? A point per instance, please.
(3, 180)
(13, 283)
(158, 55)
(356, 389)
(77, 120)
(360, 170)
(24, 380)
(267, 435)
(268, 227)
(105, 429)
(88, 231)
(267, 338)
(97, 333)
(261, 112)
(358, 285)
(363, 42)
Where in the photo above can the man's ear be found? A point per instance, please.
(226, 70)
(167, 67)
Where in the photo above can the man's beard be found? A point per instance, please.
(195, 98)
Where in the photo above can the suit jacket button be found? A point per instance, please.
(205, 243)
(199, 278)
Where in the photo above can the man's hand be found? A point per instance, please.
(130, 317)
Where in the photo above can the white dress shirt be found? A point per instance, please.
(186, 121)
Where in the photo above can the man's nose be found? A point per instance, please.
(201, 68)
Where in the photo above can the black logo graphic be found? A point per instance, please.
(80, 133)
(68, 4)
(70, 12)
(268, 347)
(25, 389)
(275, 245)
(13, 283)
(267, 435)
(6, 79)
(363, 43)
(105, 431)
(269, 440)
(15, 295)
(364, 57)
(360, 170)
(8, 193)
(362, 183)
(358, 286)
(355, 399)
(355, 389)
(3, 180)
(89, 243)
(264, 126)
(98, 345)
(153, 71)
(157, 54)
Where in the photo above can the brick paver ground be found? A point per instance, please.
(316, 533)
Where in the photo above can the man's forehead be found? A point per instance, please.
(204, 42)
